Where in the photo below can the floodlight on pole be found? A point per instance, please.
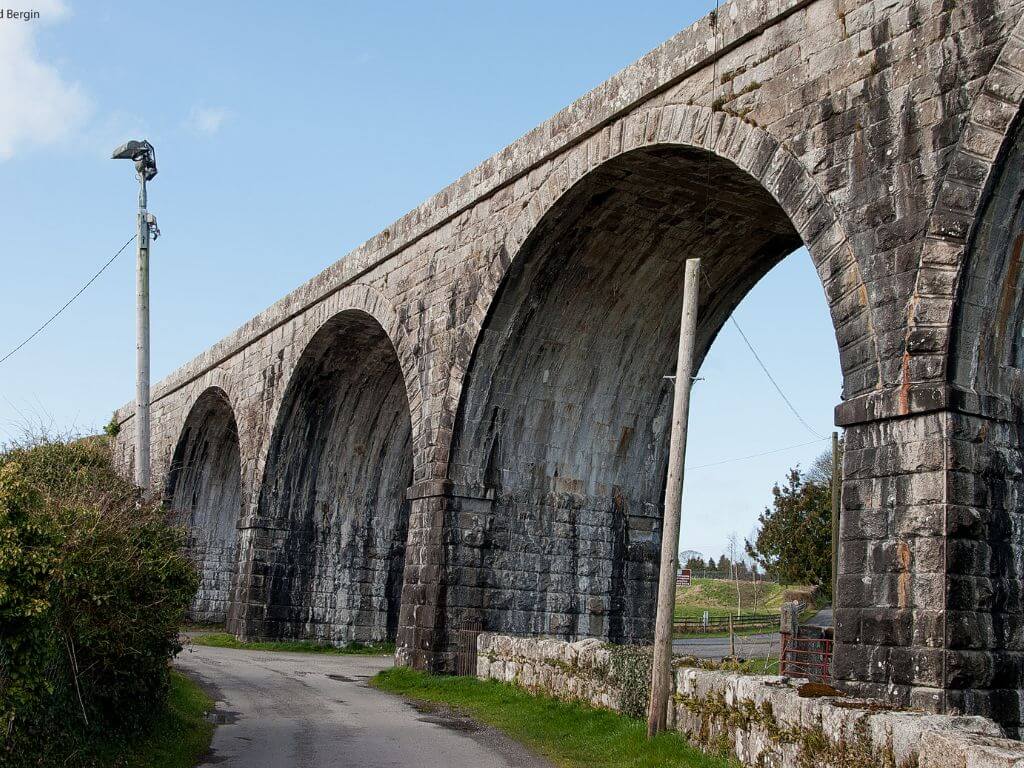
(144, 157)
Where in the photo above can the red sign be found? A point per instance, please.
(683, 578)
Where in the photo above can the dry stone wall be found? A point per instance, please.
(760, 720)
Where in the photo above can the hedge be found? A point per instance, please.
(94, 584)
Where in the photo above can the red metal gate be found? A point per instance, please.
(804, 656)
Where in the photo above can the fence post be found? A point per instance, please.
(789, 626)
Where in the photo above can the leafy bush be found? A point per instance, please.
(93, 586)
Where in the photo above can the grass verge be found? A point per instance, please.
(569, 735)
(178, 738)
(224, 640)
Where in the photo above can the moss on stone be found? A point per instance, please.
(630, 668)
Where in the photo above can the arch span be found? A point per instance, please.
(203, 490)
(565, 411)
(736, 144)
(962, 264)
(987, 351)
(984, 601)
(332, 505)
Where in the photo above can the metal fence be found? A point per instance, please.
(728, 575)
(465, 658)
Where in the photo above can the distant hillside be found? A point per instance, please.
(718, 596)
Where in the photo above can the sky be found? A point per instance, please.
(285, 137)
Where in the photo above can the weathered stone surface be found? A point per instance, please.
(330, 523)
(204, 492)
(761, 720)
(529, 312)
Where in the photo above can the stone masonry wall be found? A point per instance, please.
(762, 721)
(328, 537)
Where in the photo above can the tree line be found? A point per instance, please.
(793, 543)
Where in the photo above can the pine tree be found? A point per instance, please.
(794, 542)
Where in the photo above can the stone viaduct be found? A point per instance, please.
(463, 423)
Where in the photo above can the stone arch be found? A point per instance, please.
(203, 489)
(329, 525)
(944, 285)
(978, 229)
(296, 338)
(562, 419)
(986, 356)
(753, 151)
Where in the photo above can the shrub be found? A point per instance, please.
(93, 587)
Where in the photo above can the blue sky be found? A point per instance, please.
(285, 137)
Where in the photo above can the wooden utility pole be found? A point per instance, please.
(836, 486)
(661, 673)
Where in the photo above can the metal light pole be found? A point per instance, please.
(144, 156)
(661, 672)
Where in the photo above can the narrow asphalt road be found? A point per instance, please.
(290, 710)
(747, 646)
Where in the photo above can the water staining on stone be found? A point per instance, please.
(204, 493)
(332, 516)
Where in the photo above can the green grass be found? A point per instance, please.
(224, 640)
(718, 596)
(760, 666)
(569, 735)
(177, 740)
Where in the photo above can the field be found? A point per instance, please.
(718, 596)
(758, 611)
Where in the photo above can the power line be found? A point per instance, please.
(757, 455)
(707, 210)
(774, 382)
(67, 304)
(764, 368)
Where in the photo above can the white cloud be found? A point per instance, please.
(38, 106)
(207, 120)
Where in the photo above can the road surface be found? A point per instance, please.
(290, 710)
(747, 646)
